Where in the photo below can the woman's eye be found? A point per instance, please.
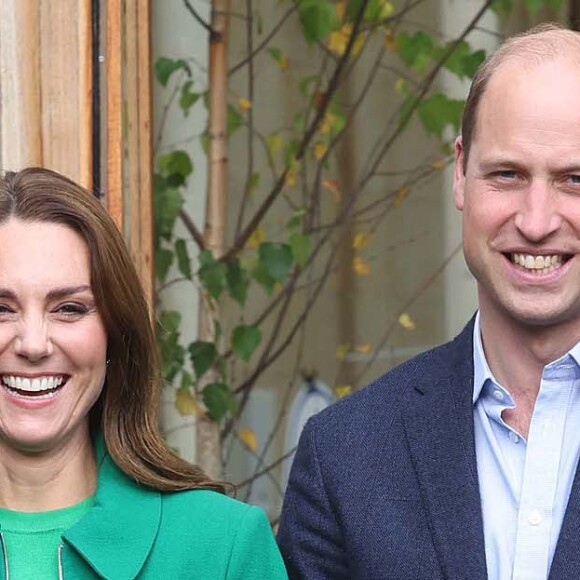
(72, 309)
(4, 309)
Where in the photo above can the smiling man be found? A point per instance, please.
(462, 463)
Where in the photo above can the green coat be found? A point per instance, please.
(135, 532)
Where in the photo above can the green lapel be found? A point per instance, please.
(117, 535)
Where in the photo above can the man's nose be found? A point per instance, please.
(538, 215)
(33, 341)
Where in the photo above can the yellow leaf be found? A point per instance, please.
(363, 348)
(342, 391)
(320, 150)
(186, 404)
(341, 9)
(361, 266)
(406, 321)
(328, 123)
(361, 240)
(387, 9)
(439, 164)
(257, 237)
(342, 350)
(290, 180)
(400, 86)
(332, 186)
(391, 41)
(274, 143)
(244, 104)
(248, 437)
(338, 40)
(401, 195)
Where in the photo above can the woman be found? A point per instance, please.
(87, 487)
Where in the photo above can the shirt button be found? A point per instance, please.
(513, 437)
(534, 517)
(498, 395)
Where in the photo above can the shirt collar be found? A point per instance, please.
(481, 370)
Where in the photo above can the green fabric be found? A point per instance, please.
(134, 532)
(32, 539)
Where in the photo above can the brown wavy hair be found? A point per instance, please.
(127, 410)
(540, 43)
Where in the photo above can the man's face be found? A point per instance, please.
(520, 195)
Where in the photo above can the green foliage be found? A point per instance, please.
(317, 18)
(187, 97)
(212, 274)
(238, 281)
(416, 50)
(165, 67)
(245, 340)
(219, 400)
(168, 335)
(183, 260)
(167, 202)
(276, 259)
(202, 355)
(175, 167)
(301, 247)
(462, 62)
(439, 111)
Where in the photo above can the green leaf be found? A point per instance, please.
(245, 340)
(306, 83)
(171, 352)
(554, 4)
(183, 260)
(462, 62)
(212, 274)
(188, 98)
(502, 7)
(235, 120)
(219, 400)
(202, 355)
(301, 246)
(186, 380)
(438, 111)
(165, 67)
(263, 278)
(163, 261)
(417, 50)
(253, 183)
(167, 202)
(317, 18)
(297, 219)
(278, 56)
(276, 260)
(175, 167)
(238, 281)
(533, 6)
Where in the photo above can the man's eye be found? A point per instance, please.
(506, 174)
(575, 179)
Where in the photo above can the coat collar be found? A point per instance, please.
(117, 535)
(438, 422)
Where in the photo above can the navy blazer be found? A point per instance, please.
(384, 483)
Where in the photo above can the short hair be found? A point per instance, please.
(127, 410)
(543, 42)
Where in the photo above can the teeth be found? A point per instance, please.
(32, 385)
(544, 264)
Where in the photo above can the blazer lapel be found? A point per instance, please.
(566, 562)
(439, 428)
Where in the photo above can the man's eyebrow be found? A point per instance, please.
(54, 294)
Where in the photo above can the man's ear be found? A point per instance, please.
(459, 175)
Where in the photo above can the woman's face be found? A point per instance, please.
(52, 340)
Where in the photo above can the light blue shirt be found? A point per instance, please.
(525, 485)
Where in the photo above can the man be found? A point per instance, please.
(462, 463)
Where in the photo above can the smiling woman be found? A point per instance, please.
(84, 474)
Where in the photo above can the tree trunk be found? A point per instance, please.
(208, 439)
